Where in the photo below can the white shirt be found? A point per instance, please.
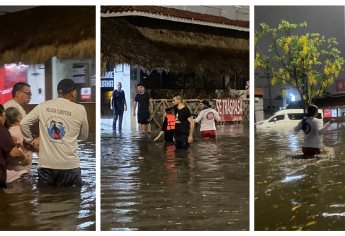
(13, 103)
(61, 124)
(313, 132)
(207, 118)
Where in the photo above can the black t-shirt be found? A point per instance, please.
(143, 102)
(6, 145)
(182, 124)
(119, 100)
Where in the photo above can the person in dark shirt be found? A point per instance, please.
(145, 109)
(168, 127)
(118, 105)
(8, 148)
(184, 124)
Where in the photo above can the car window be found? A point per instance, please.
(276, 118)
(296, 116)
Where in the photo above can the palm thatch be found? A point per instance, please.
(37, 34)
(175, 46)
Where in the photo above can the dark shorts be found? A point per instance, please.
(54, 177)
(311, 151)
(181, 141)
(143, 117)
(3, 177)
(169, 136)
(208, 134)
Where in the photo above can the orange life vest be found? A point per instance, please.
(171, 122)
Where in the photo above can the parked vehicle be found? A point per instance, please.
(284, 119)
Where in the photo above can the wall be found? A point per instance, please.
(62, 69)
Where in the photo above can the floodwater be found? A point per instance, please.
(298, 194)
(24, 206)
(150, 186)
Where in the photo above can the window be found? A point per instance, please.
(276, 118)
(296, 116)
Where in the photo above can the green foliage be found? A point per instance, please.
(308, 62)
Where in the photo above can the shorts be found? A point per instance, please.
(169, 136)
(143, 118)
(55, 177)
(181, 141)
(208, 134)
(311, 151)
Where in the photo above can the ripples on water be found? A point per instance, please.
(25, 207)
(298, 194)
(149, 186)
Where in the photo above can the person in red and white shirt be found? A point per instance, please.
(207, 118)
(313, 129)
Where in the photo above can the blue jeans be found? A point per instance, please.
(118, 115)
(181, 141)
(55, 177)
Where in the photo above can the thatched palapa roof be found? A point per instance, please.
(37, 34)
(177, 40)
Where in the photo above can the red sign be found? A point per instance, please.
(11, 74)
(340, 86)
(230, 109)
(327, 113)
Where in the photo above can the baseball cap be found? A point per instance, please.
(66, 86)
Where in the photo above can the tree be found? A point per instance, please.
(308, 62)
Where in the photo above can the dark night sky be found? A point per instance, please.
(326, 20)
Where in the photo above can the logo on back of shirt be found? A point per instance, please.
(307, 128)
(210, 116)
(56, 128)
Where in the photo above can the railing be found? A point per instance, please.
(159, 105)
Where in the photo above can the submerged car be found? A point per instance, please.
(284, 119)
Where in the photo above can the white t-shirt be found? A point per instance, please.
(61, 124)
(13, 103)
(207, 118)
(314, 130)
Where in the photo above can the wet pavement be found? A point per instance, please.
(26, 207)
(298, 194)
(150, 186)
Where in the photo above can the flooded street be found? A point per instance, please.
(150, 186)
(297, 194)
(26, 207)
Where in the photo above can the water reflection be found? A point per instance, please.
(297, 194)
(26, 207)
(150, 186)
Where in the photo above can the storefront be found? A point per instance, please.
(44, 55)
(107, 87)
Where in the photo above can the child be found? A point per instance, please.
(312, 128)
(168, 127)
(15, 167)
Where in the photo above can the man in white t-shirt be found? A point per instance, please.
(313, 129)
(61, 122)
(21, 96)
(207, 117)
